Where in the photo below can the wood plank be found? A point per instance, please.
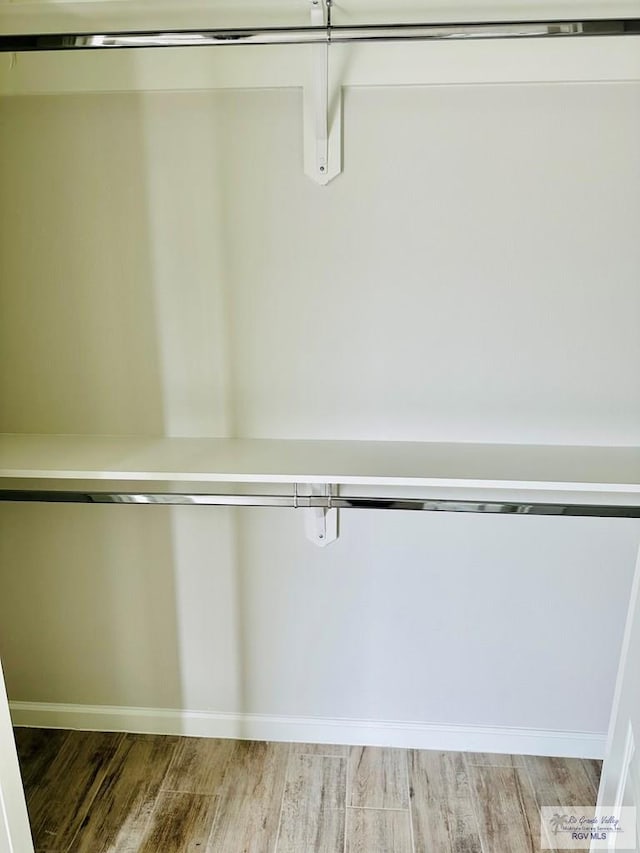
(198, 765)
(378, 778)
(36, 749)
(507, 813)
(378, 831)
(442, 809)
(121, 811)
(560, 781)
(60, 800)
(313, 806)
(251, 798)
(494, 759)
(180, 823)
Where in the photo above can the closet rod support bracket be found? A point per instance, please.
(321, 523)
(322, 106)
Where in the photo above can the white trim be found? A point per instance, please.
(627, 757)
(15, 834)
(411, 735)
(629, 749)
(609, 772)
(634, 604)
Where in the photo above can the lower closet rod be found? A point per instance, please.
(321, 502)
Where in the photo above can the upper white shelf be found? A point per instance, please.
(41, 16)
(588, 473)
(51, 16)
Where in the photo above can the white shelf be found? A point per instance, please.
(29, 16)
(588, 473)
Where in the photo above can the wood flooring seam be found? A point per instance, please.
(535, 797)
(472, 799)
(347, 789)
(591, 782)
(152, 810)
(523, 809)
(320, 754)
(284, 791)
(378, 809)
(119, 742)
(216, 815)
(409, 802)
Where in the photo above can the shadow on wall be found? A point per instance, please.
(119, 326)
(87, 613)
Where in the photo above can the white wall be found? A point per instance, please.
(165, 266)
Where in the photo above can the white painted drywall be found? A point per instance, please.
(165, 266)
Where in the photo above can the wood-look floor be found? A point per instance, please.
(112, 793)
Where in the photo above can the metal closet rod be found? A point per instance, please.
(321, 502)
(319, 35)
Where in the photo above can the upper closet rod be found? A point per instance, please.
(319, 35)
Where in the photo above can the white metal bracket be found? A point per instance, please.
(322, 107)
(321, 523)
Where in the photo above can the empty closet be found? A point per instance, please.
(294, 292)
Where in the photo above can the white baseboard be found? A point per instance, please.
(311, 729)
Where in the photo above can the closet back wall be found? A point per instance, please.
(166, 268)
